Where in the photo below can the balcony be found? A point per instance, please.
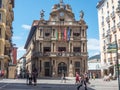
(108, 32)
(110, 61)
(118, 25)
(7, 43)
(104, 48)
(113, 15)
(107, 19)
(103, 35)
(113, 29)
(58, 54)
(102, 23)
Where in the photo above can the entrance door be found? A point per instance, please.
(62, 68)
(47, 68)
(47, 72)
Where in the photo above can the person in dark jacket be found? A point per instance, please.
(34, 75)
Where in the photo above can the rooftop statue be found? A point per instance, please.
(42, 14)
(81, 14)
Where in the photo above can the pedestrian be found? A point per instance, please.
(63, 78)
(35, 74)
(77, 79)
(86, 78)
(30, 78)
(82, 82)
(27, 76)
(94, 76)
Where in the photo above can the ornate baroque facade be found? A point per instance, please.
(6, 18)
(58, 45)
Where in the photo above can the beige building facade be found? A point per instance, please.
(6, 18)
(58, 45)
(109, 33)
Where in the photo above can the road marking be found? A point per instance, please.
(4, 86)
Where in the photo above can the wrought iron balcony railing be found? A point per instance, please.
(57, 54)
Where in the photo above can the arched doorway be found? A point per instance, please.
(62, 68)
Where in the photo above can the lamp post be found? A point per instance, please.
(117, 62)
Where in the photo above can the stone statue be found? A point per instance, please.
(81, 14)
(42, 14)
(55, 6)
(61, 1)
(68, 7)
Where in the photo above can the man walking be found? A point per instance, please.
(82, 82)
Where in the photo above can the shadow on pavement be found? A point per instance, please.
(43, 86)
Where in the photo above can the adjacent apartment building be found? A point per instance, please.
(58, 45)
(6, 19)
(109, 33)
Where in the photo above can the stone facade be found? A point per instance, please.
(6, 19)
(58, 45)
(109, 32)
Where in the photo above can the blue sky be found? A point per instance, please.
(26, 11)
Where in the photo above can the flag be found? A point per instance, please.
(112, 47)
(56, 35)
(68, 34)
(65, 34)
(59, 35)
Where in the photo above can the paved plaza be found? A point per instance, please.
(56, 84)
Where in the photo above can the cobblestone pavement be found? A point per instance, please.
(56, 84)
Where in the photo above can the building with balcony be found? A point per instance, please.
(57, 45)
(6, 19)
(107, 15)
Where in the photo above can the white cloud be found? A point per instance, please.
(21, 49)
(16, 37)
(93, 44)
(26, 27)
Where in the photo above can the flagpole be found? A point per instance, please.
(117, 62)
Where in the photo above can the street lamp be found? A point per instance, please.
(117, 61)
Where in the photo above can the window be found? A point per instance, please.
(76, 34)
(77, 64)
(76, 49)
(53, 32)
(60, 49)
(47, 34)
(40, 65)
(107, 5)
(0, 3)
(47, 49)
(40, 47)
(47, 64)
(102, 11)
(0, 17)
(112, 1)
(0, 33)
(119, 43)
(107, 13)
(40, 32)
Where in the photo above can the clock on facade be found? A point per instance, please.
(61, 14)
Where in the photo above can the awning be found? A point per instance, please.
(106, 67)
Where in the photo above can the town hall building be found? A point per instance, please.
(58, 45)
